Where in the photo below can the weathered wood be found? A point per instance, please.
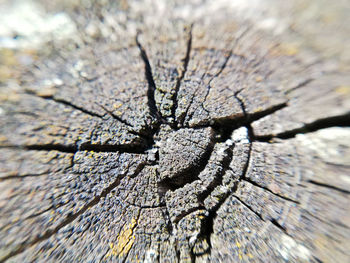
(179, 132)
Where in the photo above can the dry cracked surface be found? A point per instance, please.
(178, 136)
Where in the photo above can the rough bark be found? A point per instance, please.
(181, 132)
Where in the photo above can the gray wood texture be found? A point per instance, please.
(179, 131)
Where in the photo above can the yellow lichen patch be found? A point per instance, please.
(8, 57)
(258, 78)
(49, 91)
(162, 89)
(288, 49)
(125, 240)
(7, 62)
(240, 254)
(124, 5)
(163, 39)
(250, 255)
(343, 90)
(10, 63)
(91, 155)
(3, 139)
(238, 244)
(117, 105)
(13, 97)
(5, 73)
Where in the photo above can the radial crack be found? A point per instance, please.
(251, 117)
(35, 214)
(229, 55)
(182, 75)
(44, 147)
(151, 84)
(272, 221)
(223, 66)
(83, 110)
(279, 226)
(300, 85)
(186, 213)
(344, 191)
(213, 212)
(218, 180)
(124, 148)
(268, 190)
(207, 232)
(241, 102)
(327, 122)
(67, 103)
(18, 176)
(249, 207)
(240, 121)
(69, 219)
(115, 116)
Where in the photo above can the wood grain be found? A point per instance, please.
(180, 132)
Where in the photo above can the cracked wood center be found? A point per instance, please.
(198, 135)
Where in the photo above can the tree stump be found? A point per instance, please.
(175, 131)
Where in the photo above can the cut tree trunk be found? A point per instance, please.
(180, 132)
